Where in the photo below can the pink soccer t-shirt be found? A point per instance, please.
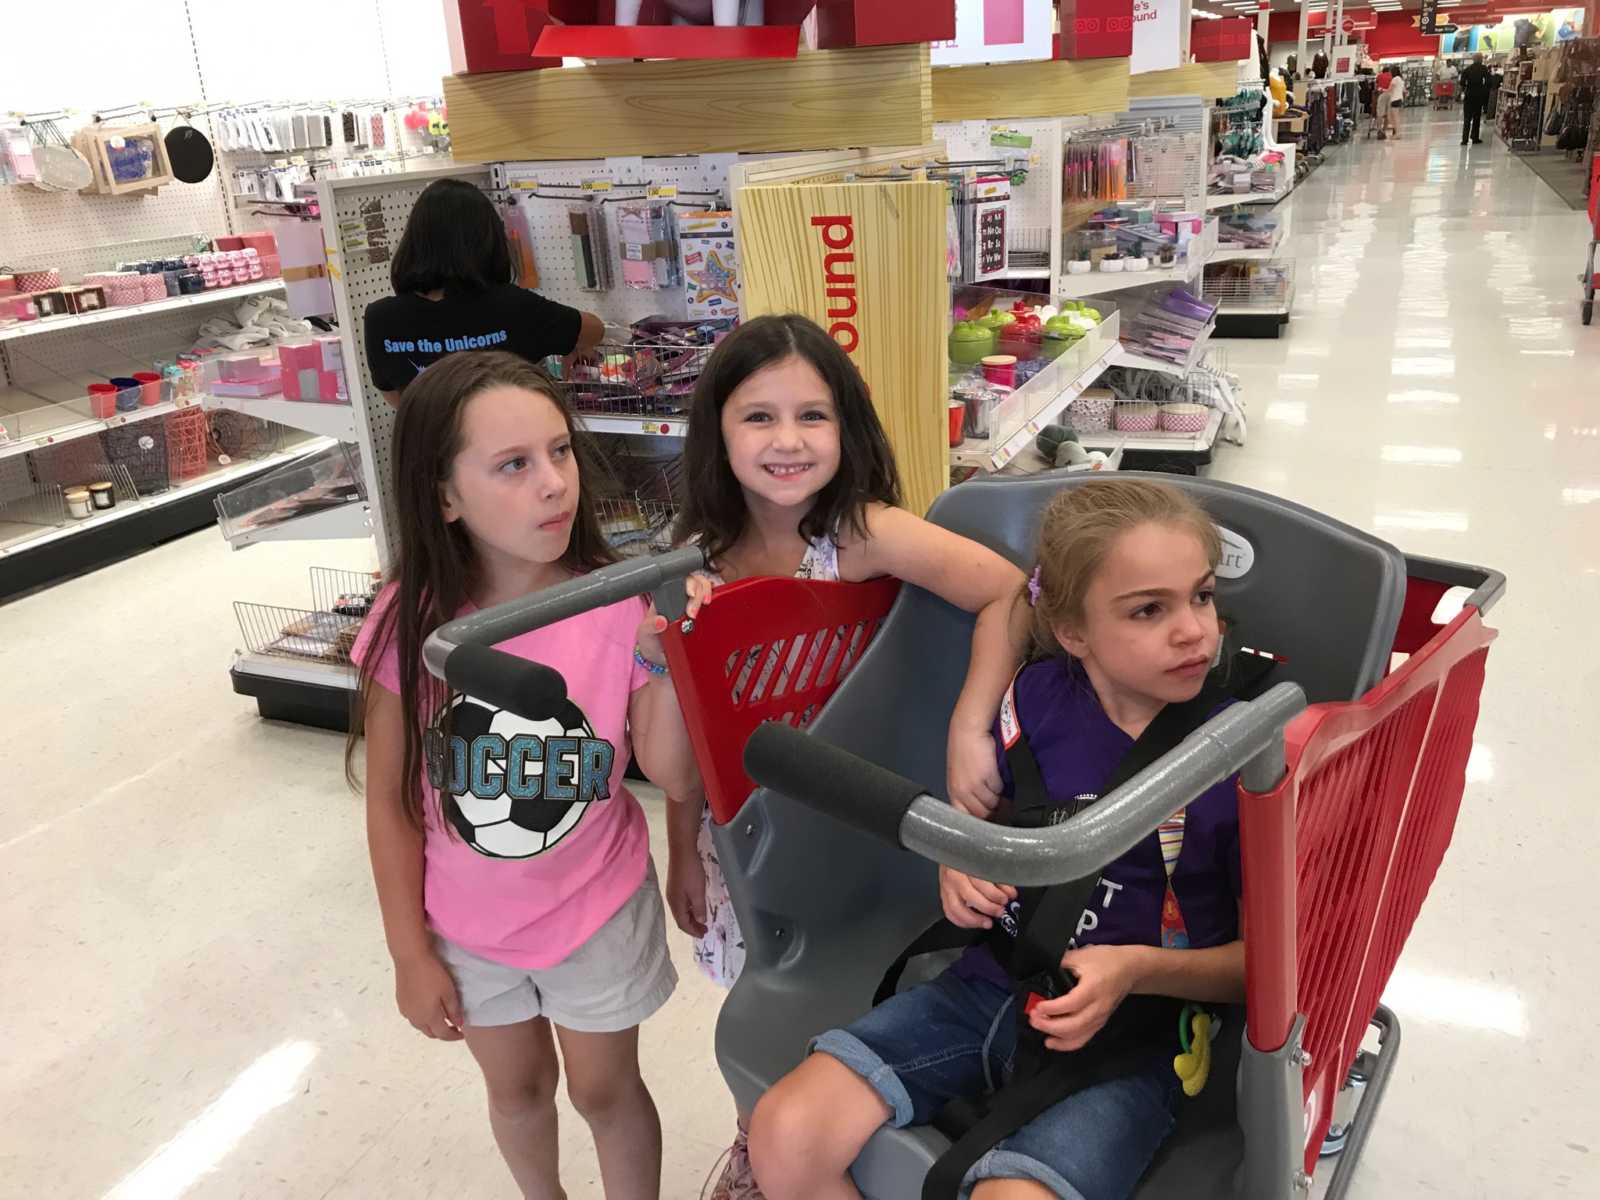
(544, 842)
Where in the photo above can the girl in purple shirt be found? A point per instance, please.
(1123, 606)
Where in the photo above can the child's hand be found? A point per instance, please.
(686, 891)
(648, 638)
(972, 903)
(427, 997)
(1105, 977)
(973, 774)
(699, 587)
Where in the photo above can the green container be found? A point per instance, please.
(971, 342)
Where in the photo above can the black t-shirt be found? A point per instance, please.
(404, 334)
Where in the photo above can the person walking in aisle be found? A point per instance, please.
(1380, 99)
(1474, 96)
(1397, 97)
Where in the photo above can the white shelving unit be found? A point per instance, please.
(1244, 254)
(999, 451)
(1190, 443)
(1126, 358)
(126, 312)
(1098, 283)
(352, 520)
(229, 474)
(325, 420)
(73, 425)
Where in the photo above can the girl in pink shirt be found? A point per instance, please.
(512, 864)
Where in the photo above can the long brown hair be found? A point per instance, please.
(436, 571)
(714, 510)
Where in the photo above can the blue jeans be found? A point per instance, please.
(956, 1037)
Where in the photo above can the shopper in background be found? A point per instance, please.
(1474, 97)
(1385, 80)
(454, 290)
(793, 475)
(1122, 606)
(1397, 97)
(511, 911)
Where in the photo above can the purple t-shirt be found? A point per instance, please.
(1078, 747)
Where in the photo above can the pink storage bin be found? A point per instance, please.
(155, 286)
(1184, 418)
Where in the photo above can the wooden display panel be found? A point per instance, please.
(1206, 80)
(1053, 88)
(878, 96)
(867, 262)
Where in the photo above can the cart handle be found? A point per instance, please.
(1487, 584)
(838, 784)
(461, 652)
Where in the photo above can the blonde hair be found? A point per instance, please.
(1078, 530)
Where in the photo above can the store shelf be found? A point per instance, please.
(1227, 253)
(1098, 283)
(1233, 200)
(987, 456)
(1126, 358)
(324, 420)
(305, 693)
(350, 520)
(673, 427)
(53, 424)
(126, 312)
(1185, 443)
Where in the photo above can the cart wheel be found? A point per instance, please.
(1588, 311)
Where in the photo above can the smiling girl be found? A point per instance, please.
(793, 475)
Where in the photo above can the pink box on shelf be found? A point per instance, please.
(269, 384)
(262, 243)
(231, 241)
(270, 266)
(242, 368)
(304, 376)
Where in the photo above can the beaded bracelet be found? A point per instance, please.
(654, 668)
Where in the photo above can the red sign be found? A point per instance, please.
(1227, 40)
(1095, 29)
(862, 23)
(1349, 25)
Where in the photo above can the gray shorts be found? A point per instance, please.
(610, 983)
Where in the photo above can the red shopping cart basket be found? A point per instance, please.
(779, 658)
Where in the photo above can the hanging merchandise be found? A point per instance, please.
(991, 202)
(649, 253)
(16, 155)
(61, 167)
(189, 151)
(519, 237)
(710, 264)
(591, 260)
(1096, 169)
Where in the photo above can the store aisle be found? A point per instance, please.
(1435, 386)
(194, 987)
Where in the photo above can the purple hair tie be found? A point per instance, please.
(1034, 587)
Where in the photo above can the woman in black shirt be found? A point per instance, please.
(452, 281)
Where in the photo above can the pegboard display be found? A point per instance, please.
(545, 191)
(353, 211)
(45, 228)
(1036, 203)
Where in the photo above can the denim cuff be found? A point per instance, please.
(855, 1054)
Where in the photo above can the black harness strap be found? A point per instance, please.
(1049, 920)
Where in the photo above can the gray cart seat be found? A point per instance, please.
(824, 908)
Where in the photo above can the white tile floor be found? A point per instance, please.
(194, 992)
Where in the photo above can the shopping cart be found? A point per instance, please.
(1444, 94)
(1346, 806)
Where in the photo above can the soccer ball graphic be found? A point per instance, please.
(504, 827)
